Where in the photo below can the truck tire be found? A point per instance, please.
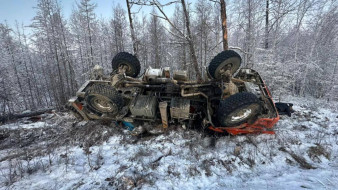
(125, 58)
(227, 58)
(103, 99)
(238, 109)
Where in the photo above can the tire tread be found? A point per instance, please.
(127, 57)
(104, 90)
(219, 58)
(234, 102)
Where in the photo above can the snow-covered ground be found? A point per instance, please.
(58, 153)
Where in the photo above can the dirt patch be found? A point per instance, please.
(315, 152)
(33, 142)
(301, 160)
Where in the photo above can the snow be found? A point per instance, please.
(39, 124)
(179, 160)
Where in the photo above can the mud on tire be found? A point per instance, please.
(238, 109)
(103, 99)
(125, 58)
(227, 57)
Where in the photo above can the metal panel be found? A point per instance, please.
(152, 74)
(180, 108)
(164, 113)
(144, 106)
(180, 75)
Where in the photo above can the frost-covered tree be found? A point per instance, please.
(50, 38)
(119, 28)
(156, 35)
(292, 43)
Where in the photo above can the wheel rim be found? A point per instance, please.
(103, 104)
(129, 70)
(243, 114)
(233, 62)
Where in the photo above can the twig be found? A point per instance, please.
(321, 183)
(165, 155)
(168, 20)
(174, 34)
(158, 16)
(215, 1)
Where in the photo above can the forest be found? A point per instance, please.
(127, 132)
(292, 43)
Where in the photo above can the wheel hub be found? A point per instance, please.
(124, 67)
(104, 105)
(241, 115)
(231, 64)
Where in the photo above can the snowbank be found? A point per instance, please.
(302, 154)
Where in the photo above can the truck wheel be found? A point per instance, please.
(103, 99)
(227, 59)
(129, 60)
(238, 109)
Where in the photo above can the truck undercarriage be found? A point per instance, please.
(231, 100)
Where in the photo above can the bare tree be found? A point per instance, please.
(86, 10)
(26, 72)
(203, 30)
(266, 40)
(177, 42)
(155, 33)
(191, 43)
(189, 34)
(118, 25)
(133, 37)
(10, 48)
(224, 25)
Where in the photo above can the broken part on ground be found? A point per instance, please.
(230, 99)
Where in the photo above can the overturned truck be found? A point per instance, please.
(230, 99)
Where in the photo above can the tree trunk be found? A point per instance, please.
(27, 74)
(249, 61)
(90, 37)
(68, 59)
(53, 47)
(184, 45)
(35, 81)
(133, 37)
(224, 25)
(8, 117)
(191, 44)
(81, 58)
(17, 75)
(266, 44)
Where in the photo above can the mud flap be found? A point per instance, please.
(284, 108)
(164, 113)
